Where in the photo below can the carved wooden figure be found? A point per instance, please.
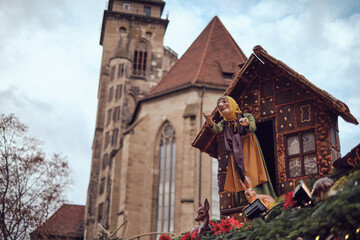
(251, 194)
(203, 216)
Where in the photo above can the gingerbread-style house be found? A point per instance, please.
(297, 124)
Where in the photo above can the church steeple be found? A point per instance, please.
(132, 36)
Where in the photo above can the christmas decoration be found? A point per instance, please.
(289, 201)
(335, 217)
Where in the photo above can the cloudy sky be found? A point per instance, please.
(50, 59)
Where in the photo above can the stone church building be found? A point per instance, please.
(150, 104)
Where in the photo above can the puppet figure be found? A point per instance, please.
(245, 155)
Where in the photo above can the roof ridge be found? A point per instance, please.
(232, 41)
(163, 78)
(205, 50)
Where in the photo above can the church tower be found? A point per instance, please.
(133, 61)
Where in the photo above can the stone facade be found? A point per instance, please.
(137, 163)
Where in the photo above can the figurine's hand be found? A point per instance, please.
(208, 118)
(244, 121)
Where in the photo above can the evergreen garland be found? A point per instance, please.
(338, 215)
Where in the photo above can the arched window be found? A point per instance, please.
(166, 190)
(140, 56)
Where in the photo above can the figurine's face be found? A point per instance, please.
(223, 106)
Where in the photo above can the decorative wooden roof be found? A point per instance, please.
(351, 160)
(211, 60)
(261, 61)
(67, 222)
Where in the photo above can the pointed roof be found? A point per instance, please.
(260, 60)
(211, 58)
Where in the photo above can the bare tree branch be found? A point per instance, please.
(32, 184)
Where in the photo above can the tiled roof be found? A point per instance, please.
(213, 57)
(67, 221)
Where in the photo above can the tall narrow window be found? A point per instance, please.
(107, 139)
(121, 70)
(111, 93)
(301, 154)
(118, 91)
(105, 161)
(215, 204)
(108, 121)
(100, 211)
(116, 115)
(140, 56)
(147, 11)
(167, 164)
(114, 136)
(102, 186)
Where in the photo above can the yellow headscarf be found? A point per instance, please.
(234, 111)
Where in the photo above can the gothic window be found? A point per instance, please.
(107, 139)
(116, 115)
(114, 136)
(301, 154)
(121, 70)
(102, 186)
(140, 56)
(105, 161)
(215, 204)
(147, 11)
(100, 211)
(166, 194)
(118, 91)
(108, 121)
(111, 93)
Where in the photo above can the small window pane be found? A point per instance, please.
(310, 164)
(293, 145)
(308, 142)
(126, 6)
(295, 167)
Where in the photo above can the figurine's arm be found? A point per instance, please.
(218, 127)
(252, 125)
(215, 127)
